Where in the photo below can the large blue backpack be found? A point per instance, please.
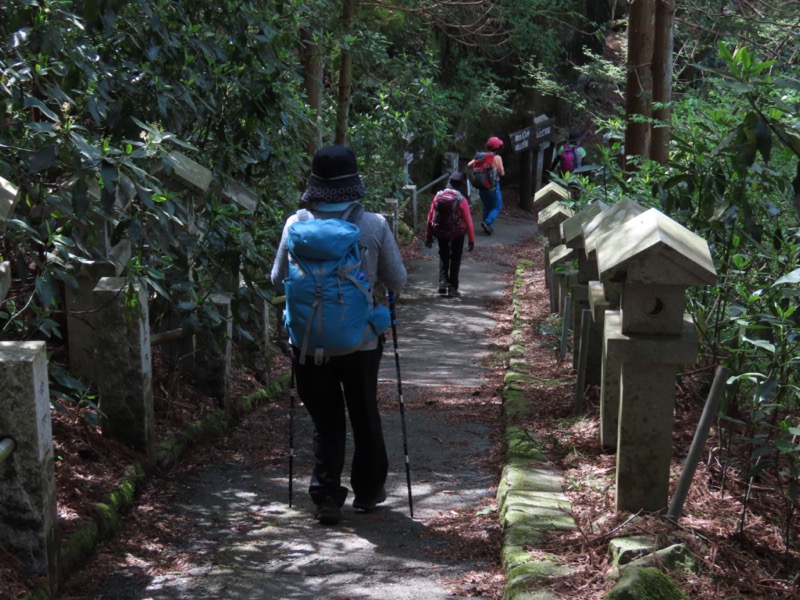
(330, 310)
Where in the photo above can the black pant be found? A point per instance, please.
(350, 380)
(450, 260)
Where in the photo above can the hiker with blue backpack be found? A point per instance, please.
(570, 156)
(328, 263)
(486, 169)
(450, 221)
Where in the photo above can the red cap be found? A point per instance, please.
(493, 143)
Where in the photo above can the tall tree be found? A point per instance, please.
(345, 92)
(649, 79)
(662, 79)
(313, 61)
(639, 89)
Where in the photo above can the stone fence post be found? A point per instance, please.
(551, 211)
(209, 362)
(602, 296)
(572, 233)
(28, 524)
(654, 259)
(122, 365)
(9, 194)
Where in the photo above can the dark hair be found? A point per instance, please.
(458, 182)
(575, 135)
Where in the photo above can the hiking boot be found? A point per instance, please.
(369, 506)
(328, 513)
(486, 229)
(442, 287)
(454, 292)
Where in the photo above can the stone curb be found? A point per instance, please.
(80, 545)
(530, 498)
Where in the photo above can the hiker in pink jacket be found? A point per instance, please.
(450, 221)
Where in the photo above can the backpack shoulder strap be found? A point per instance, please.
(353, 212)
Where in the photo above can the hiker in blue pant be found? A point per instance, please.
(492, 199)
(344, 385)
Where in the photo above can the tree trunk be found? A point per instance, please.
(639, 89)
(345, 74)
(662, 79)
(312, 69)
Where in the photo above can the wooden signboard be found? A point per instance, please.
(543, 132)
(521, 140)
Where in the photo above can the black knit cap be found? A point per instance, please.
(334, 176)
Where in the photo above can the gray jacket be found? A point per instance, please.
(381, 260)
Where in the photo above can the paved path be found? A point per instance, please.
(263, 549)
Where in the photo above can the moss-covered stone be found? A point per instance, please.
(521, 445)
(210, 425)
(525, 576)
(512, 377)
(531, 477)
(517, 350)
(520, 365)
(541, 517)
(645, 584)
(522, 535)
(673, 558)
(76, 549)
(623, 550)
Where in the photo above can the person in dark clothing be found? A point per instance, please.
(350, 380)
(451, 245)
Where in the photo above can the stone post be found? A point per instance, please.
(211, 359)
(79, 308)
(28, 525)
(550, 219)
(572, 234)
(5, 279)
(450, 162)
(229, 279)
(80, 304)
(410, 192)
(655, 259)
(9, 194)
(539, 169)
(604, 222)
(123, 369)
(560, 274)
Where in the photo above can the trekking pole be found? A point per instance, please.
(288, 349)
(393, 313)
(291, 426)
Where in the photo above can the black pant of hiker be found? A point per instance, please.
(450, 252)
(320, 389)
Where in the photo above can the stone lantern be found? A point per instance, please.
(550, 220)
(654, 259)
(602, 296)
(572, 234)
(550, 194)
